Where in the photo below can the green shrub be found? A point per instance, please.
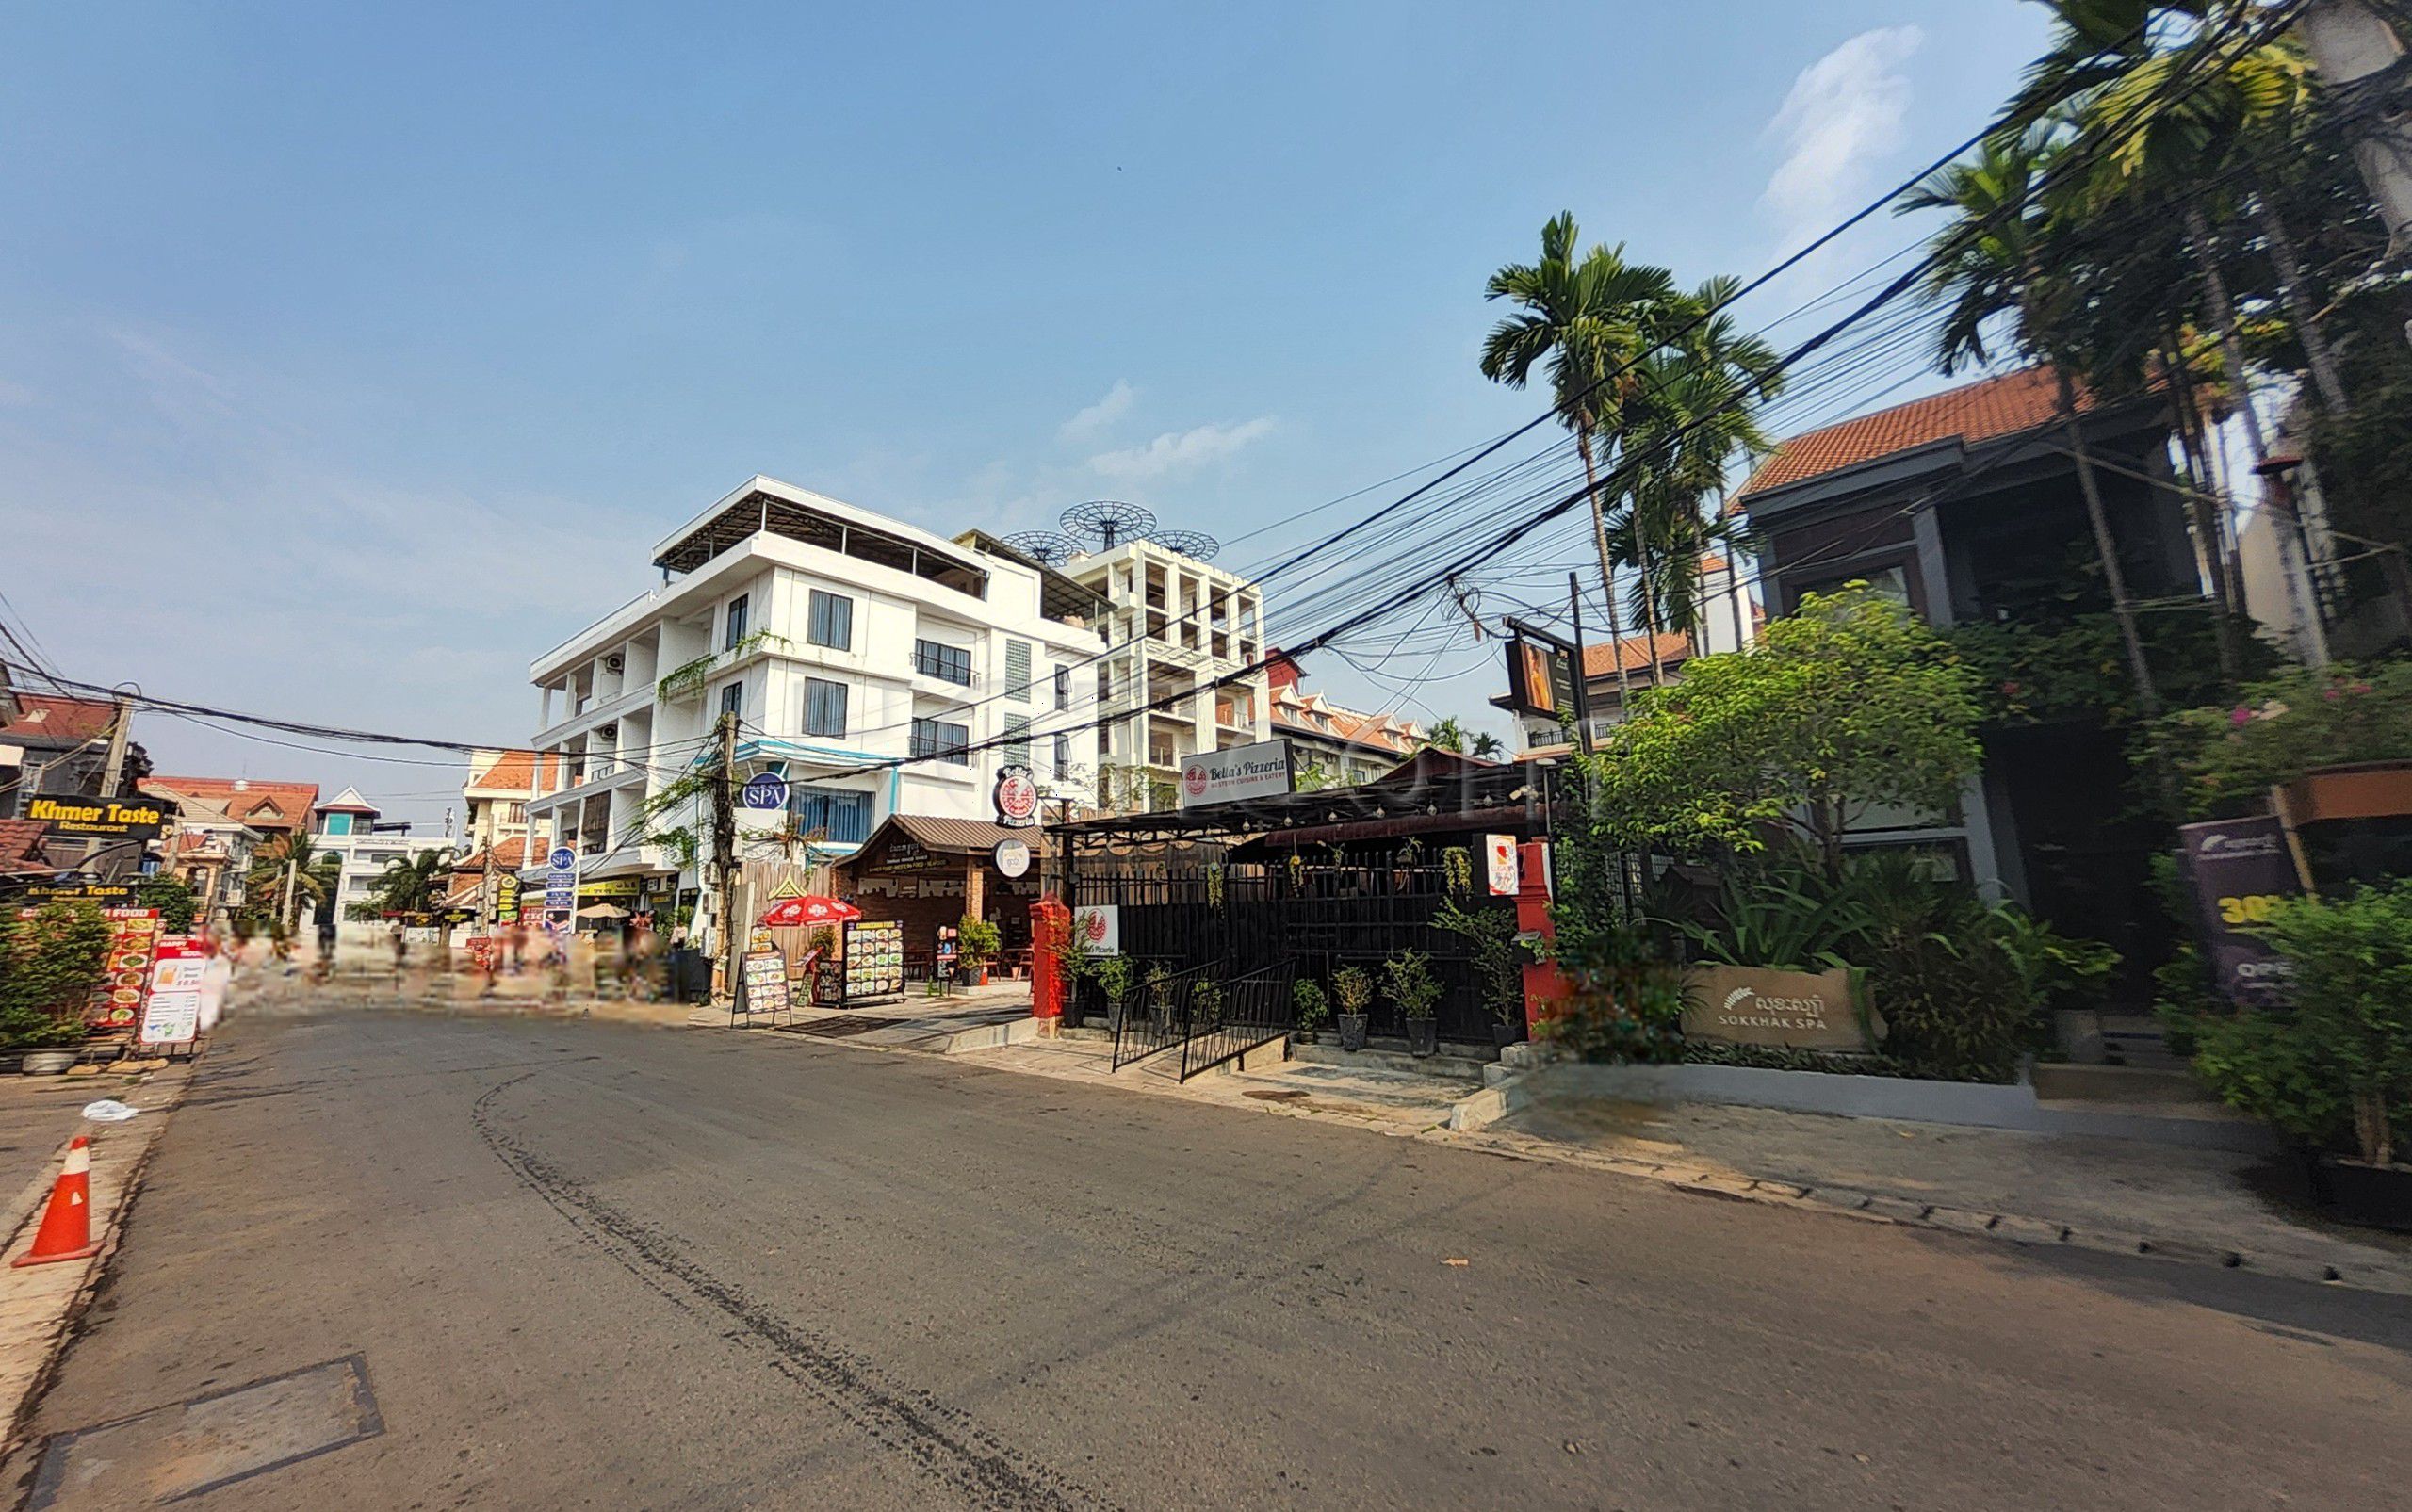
(2335, 1068)
(173, 899)
(1307, 1004)
(1413, 987)
(1628, 998)
(1353, 987)
(1498, 953)
(976, 942)
(2280, 729)
(49, 965)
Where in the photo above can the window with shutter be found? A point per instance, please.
(824, 708)
(830, 621)
(1018, 670)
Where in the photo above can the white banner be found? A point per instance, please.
(1259, 771)
(1100, 929)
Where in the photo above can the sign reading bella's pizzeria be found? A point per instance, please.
(1755, 1005)
(1264, 770)
(75, 817)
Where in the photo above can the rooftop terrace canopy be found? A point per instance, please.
(759, 509)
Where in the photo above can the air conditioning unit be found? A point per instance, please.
(615, 662)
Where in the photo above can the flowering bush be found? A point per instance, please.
(2280, 728)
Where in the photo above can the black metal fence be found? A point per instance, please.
(1229, 1018)
(1156, 1014)
(1314, 914)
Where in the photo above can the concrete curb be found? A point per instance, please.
(2333, 1268)
(1489, 1105)
(989, 1036)
(57, 1300)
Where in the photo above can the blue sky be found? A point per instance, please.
(356, 353)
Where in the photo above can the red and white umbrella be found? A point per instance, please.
(788, 913)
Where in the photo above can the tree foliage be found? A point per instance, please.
(49, 965)
(2230, 753)
(1848, 704)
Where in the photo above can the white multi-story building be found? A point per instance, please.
(347, 825)
(1174, 625)
(840, 639)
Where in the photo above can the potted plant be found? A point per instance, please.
(976, 943)
(49, 965)
(1307, 1008)
(1160, 1001)
(2335, 1066)
(1075, 963)
(1417, 992)
(1205, 1003)
(1115, 976)
(1498, 963)
(1355, 990)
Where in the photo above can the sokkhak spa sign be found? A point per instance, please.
(1756, 1005)
(75, 817)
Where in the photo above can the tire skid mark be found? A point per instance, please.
(941, 1442)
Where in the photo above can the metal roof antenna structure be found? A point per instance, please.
(1194, 544)
(1049, 548)
(1109, 522)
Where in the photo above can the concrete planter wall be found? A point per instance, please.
(1970, 1103)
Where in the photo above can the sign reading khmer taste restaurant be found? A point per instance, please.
(1260, 770)
(77, 817)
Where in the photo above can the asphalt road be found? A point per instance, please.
(594, 1266)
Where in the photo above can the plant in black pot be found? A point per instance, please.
(1355, 990)
(1308, 1010)
(1115, 976)
(1499, 956)
(1160, 999)
(1075, 964)
(2333, 1068)
(1417, 992)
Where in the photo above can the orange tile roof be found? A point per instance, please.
(1601, 657)
(21, 843)
(1313, 714)
(1980, 411)
(275, 806)
(507, 856)
(45, 718)
(510, 770)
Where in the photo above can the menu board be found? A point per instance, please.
(116, 1002)
(172, 1013)
(874, 959)
(764, 974)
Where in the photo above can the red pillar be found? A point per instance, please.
(1545, 987)
(1050, 924)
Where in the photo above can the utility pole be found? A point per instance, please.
(724, 848)
(113, 771)
(2354, 49)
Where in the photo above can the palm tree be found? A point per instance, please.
(1485, 745)
(314, 873)
(1990, 263)
(1589, 316)
(1691, 411)
(414, 884)
(2114, 66)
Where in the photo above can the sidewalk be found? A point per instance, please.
(2206, 1206)
(37, 1116)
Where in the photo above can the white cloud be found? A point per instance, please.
(1178, 451)
(1842, 117)
(1087, 423)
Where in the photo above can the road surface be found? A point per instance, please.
(584, 1265)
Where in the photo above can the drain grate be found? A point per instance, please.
(204, 1443)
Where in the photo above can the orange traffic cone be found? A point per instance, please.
(66, 1232)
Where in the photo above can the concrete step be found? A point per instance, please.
(1459, 1067)
(2160, 1086)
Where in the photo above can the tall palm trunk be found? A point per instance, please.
(1644, 570)
(2123, 609)
(1607, 569)
(2290, 532)
(2210, 552)
(2321, 357)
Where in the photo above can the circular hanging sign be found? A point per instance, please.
(1012, 858)
(564, 858)
(768, 790)
(1017, 797)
